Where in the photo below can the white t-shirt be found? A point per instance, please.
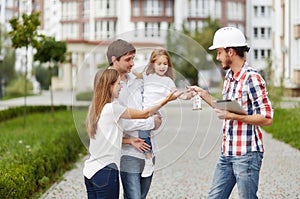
(131, 96)
(106, 147)
(156, 88)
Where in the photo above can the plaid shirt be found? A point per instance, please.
(248, 88)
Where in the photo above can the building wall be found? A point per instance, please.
(259, 32)
(286, 44)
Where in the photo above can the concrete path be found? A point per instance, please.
(189, 146)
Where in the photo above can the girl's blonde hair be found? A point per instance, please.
(103, 82)
(154, 56)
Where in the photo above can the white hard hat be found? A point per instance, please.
(228, 37)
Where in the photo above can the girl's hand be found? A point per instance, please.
(139, 144)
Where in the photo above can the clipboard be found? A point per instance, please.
(230, 105)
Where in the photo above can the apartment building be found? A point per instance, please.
(259, 32)
(89, 25)
(286, 45)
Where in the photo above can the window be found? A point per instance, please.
(105, 29)
(153, 8)
(255, 54)
(269, 52)
(262, 32)
(169, 8)
(255, 11)
(86, 8)
(263, 11)
(198, 8)
(262, 54)
(135, 8)
(255, 32)
(86, 31)
(105, 8)
(69, 10)
(236, 10)
(152, 29)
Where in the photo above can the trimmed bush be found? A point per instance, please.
(31, 159)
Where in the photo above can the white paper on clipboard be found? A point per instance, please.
(230, 105)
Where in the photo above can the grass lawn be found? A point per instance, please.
(286, 126)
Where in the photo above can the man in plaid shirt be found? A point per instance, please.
(242, 145)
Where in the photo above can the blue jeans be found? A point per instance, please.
(145, 135)
(104, 184)
(241, 170)
(135, 187)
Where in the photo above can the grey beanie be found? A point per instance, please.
(118, 48)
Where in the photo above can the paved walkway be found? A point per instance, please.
(189, 147)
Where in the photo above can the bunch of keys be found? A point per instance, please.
(197, 102)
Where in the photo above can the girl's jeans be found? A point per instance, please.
(145, 135)
(104, 184)
(241, 170)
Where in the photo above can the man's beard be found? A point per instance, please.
(227, 64)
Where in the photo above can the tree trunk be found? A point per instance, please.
(25, 90)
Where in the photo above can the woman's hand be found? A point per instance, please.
(174, 95)
(139, 144)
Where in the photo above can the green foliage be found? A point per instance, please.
(51, 50)
(188, 50)
(16, 88)
(85, 96)
(7, 67)
(286, 126)
(24, 31)
(33, 158)
(14, 112)
(43, 76)
(24, 34)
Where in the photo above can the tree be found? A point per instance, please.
(51, 52)
(188, 50)
(24, 34)
(7, 61)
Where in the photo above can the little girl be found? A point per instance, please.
(158, 82)
(101, 171)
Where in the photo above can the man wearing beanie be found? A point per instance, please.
(120, 55)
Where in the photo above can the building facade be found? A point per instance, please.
(259, 32)
(89, 25)
(286, 46)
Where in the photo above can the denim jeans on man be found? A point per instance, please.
(241, 170)
(135, 187)
(104, 184)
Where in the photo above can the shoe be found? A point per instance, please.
(148, 168)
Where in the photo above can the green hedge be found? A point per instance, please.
(14, 112)
(31, 159)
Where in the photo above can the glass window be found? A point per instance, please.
(152, 29)
(169, 8)
(262, 33)
(263, 11)
(255, 54)
(86, 8)
(135, 8)
(255, 11)
(262, 54)
(255, 32)
(153, 8)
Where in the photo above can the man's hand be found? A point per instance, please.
(157, 121)
(222, 114)
(139, 144)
